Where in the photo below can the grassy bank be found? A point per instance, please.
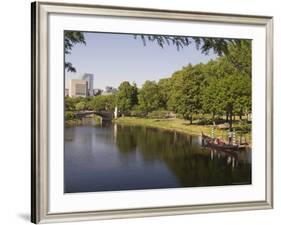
(179, 125)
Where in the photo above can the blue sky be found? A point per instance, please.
(114, 58)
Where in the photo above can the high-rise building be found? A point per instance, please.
(90, 79)
(78, 88)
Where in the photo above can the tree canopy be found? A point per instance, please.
(127, 96)
(220, 46)
(149, 97)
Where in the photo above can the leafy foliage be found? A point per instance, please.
(127, 96)
(149, 98)
(164, 87)
(70, 39)
(220, 46)
(187, 87)
(80, 106)
(70, 103)
(69, 115)
(102, 102)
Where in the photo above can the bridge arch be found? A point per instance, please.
(105, 115)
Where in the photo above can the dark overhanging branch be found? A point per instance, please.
(70, 39)
(218, 45)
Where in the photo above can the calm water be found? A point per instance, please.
(114, 157)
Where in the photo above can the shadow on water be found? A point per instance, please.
(115, 157)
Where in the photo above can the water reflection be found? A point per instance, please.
(113, 157)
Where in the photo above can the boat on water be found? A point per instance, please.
(219, 144)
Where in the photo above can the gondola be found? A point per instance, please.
(216, 143)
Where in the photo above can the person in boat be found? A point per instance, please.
(219, 141)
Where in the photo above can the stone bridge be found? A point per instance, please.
(105, 115)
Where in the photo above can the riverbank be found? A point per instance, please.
(73, 122)
(178, 125)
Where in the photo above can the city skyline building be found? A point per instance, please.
(89, 77)
(78, 88)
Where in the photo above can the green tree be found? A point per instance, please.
(102, 102)
(149, 98)
(186, 91)
(211, 98)
(242, 105)
(69, 104)
(240, 57)
(228, 86)
(97, 103)
(80, 106)
(126, 96)
(231, 93)
(69, 115)
(164, 87)
(135, 93)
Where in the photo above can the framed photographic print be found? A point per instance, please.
(147, 112)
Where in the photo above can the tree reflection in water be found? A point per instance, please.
(192, 164)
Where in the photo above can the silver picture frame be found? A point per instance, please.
(40, 104)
